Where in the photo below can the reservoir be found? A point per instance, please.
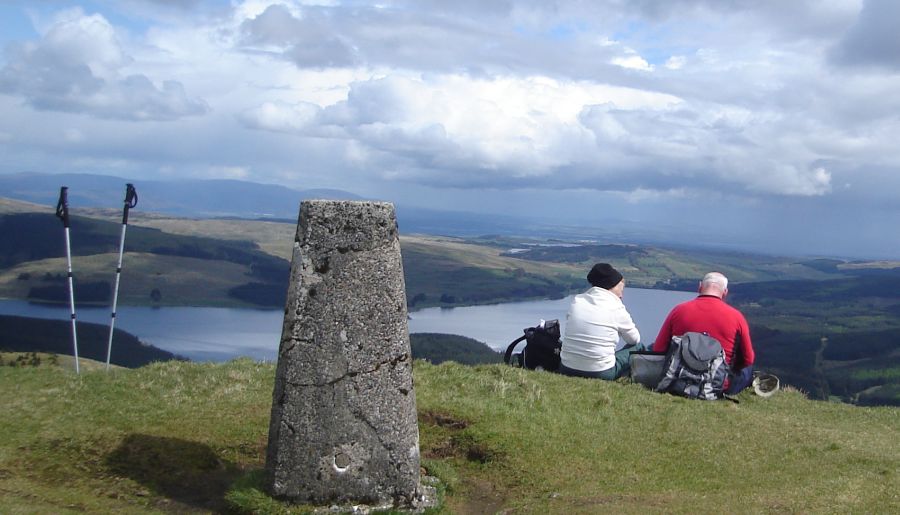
(499, 324)
(220, 334)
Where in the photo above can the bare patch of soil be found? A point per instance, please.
(445, 420)
(478, 497)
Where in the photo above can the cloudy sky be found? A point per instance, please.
(770, 123)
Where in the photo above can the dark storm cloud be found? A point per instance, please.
(309, 41)
(873, 40)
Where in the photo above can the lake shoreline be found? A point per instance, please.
(234, 304)
(218, 334)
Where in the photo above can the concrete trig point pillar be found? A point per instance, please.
(343, 426)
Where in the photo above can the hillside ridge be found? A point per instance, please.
(180, 436)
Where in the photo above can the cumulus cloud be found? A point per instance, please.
(474, 113)
(650, 100)
(76, 67)
(452, 129)
(281, 117)
(634, 62)
(704, 147)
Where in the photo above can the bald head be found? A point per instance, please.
(714, 284)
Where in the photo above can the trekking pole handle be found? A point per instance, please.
(131, 200)
(131, 197)
(62, 206)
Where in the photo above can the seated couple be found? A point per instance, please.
(597, 319)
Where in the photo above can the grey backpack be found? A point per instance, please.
(695, 367)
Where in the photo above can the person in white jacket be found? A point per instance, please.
(596, 320)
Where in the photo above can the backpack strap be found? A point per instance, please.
(509, 350)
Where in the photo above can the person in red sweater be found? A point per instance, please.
(709, 314)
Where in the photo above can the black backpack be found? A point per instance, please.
(541, 350)
(695, 367)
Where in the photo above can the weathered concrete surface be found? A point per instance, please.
(343, 426)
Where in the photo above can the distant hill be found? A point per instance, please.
(32, 236)
(216, 198)
(23, 334)
(438, 348)
(207, 198)
(35, 237)
(8, 205)
(837, 338)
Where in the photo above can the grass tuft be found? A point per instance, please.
(247, 495)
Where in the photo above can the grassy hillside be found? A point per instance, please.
(437, 348)
(8, 206)
(837, 338)
(159, 268)
(459, 267)
(651, 266)
(244, 262)
(30, 236)
(275, 238)
(178, 280)
(182, 437)
(231, 262)
(37, 359)
(448, 271)
(456, 270)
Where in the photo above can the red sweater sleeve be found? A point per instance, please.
(665, 335)
(747, 354)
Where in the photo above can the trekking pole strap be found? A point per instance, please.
(509, 350)
(131, 200)
(62, 206)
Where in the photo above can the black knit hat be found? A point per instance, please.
(603, 275)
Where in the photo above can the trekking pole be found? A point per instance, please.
(130, 201)
(62, 211)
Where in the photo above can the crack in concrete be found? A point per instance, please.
(351, 374)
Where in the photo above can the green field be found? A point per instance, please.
(159, 268)
(180, 280)
(179, 437)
